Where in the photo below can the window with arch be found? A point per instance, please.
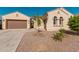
(55, 21)
(61, 21)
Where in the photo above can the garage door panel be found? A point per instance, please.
(13, 24)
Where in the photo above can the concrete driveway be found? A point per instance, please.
(9, 39)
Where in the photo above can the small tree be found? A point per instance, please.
(38, 21)
(74, 23)
(45, 21)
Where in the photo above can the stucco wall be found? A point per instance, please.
(15, 16)
(59, 14)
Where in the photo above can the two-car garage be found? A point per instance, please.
(16, 24)
(15, 20)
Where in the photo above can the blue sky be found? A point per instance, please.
(31, 11)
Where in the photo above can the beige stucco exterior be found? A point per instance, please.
(60, 12)
(15, 16)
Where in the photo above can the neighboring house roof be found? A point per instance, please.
(15, 15)
(63, 10)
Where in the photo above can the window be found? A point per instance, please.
(61, 21)
(55, 21)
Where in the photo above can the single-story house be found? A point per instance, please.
(15, 20)
(57, 19)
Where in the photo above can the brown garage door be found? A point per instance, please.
(16, 24)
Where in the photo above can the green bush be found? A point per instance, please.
(74, 23)
(59, 35)
(61, 30)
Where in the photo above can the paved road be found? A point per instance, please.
(9, 39)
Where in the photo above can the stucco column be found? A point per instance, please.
(3, 23)
(28, 24)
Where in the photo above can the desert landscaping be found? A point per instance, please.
(43, 42)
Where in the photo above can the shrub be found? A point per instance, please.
(74, 23)
(59, 35)
(61, 30)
